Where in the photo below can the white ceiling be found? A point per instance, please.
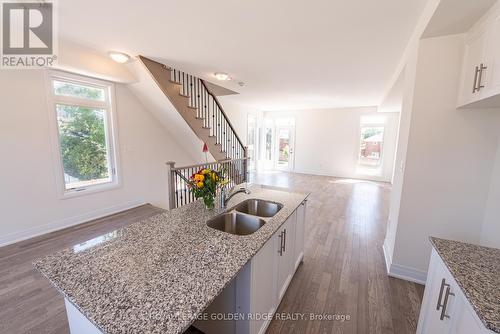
(291, 54)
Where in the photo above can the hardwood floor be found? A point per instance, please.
(343, 271)
(28, 303)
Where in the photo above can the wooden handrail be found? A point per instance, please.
(209, 163)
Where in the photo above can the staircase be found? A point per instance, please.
(200, 109)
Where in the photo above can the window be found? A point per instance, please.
(81, 110)
(371, 142)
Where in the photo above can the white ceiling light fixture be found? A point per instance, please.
(222, 76)
(119, 57)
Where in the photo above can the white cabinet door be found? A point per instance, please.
(263, 287)
(439, 299)
(300, 233)
(471, 72)
(465, 321)
(492, 78)
(260, 285)
(285, 252)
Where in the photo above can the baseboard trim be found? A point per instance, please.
(402, 272)
(353, 177)
(65, 223)
(408, 274)
(387, 256)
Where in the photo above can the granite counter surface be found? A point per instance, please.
(158, 275)
(477, 271)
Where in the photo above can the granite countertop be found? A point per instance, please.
(159, 274)
(477, 271)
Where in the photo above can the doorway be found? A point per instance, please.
(285, 140)
(271, 142)
(279, 143)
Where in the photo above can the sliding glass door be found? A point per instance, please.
(285, 135)
(271, 143)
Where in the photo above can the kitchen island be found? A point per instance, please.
(159, 275)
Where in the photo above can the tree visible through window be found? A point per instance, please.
(84, 130)
(83, 142)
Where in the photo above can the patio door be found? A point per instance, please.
(284, 144)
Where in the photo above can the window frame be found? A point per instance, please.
(109, 122)
(373, 122)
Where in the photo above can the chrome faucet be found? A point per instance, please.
(225, 198)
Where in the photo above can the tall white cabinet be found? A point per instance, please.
(260, 286)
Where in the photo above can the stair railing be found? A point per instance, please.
(178, 177)
(208, 109)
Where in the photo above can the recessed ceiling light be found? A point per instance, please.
(119, 57)
(222, 76)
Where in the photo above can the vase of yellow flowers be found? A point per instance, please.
(204, 184)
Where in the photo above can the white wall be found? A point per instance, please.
(490, 233)
(29, 201)
(147, 91)
(408, 66)
(393, 100)
(327, 141)
(237, 114)
(84, 61)
(449, 158)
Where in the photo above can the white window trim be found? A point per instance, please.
(112, 137)
(362, 169)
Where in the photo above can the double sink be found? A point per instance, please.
(244, 218)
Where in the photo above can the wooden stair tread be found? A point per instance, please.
(177, 95)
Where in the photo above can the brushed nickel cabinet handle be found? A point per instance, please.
(445, 304)
(284, 240)
(280, 251)
(443, 284)
(480, 79)
(474, 87)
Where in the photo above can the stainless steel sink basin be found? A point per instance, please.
(258, 207)
(236, 223)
